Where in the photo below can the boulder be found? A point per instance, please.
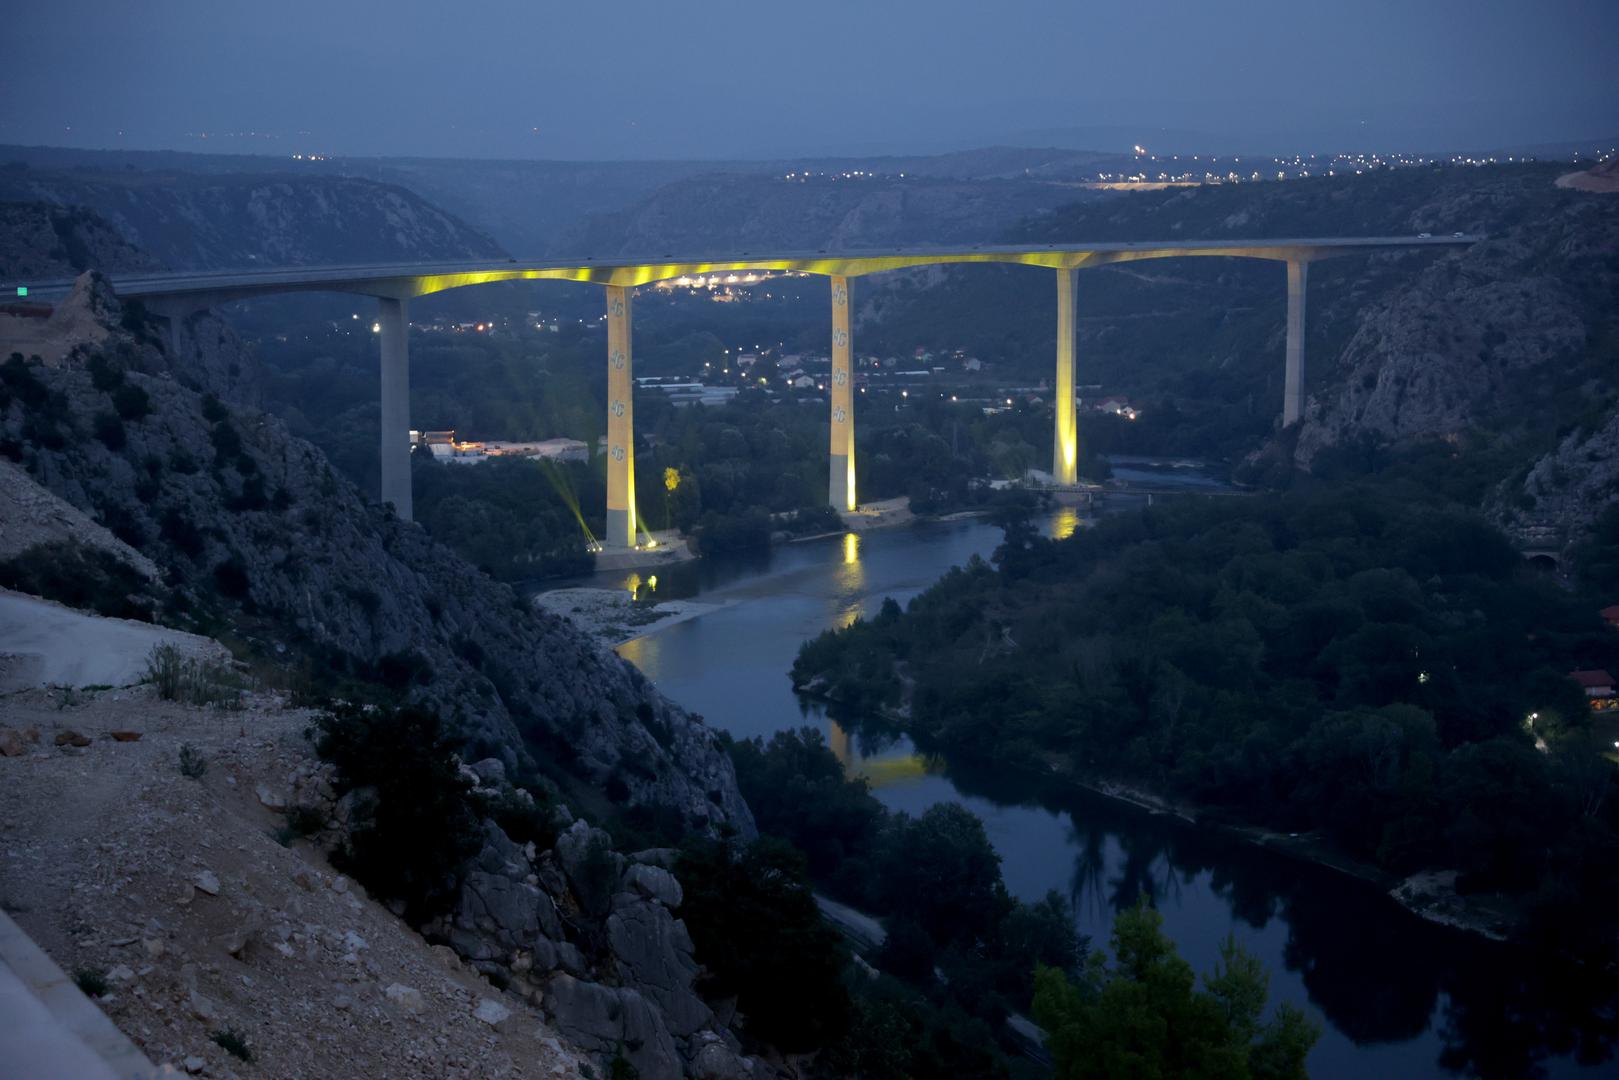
(492, 1012)
(717, 1061)
(654, 952)
(11, 744)
(590, 864)
(407, 999)
(514, 911)
(654, 883)
(602, 1019)
(206, 881)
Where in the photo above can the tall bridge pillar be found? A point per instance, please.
(394, 330)
(1065, 436)
(620, 421)
(1293, 390)
(840, 483)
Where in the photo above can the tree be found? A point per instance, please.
(1145, 1017)
(413, 825)
(753, 919)
(945, 874)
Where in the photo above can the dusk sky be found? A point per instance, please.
(710, 78)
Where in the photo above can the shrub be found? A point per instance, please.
(80, 577)
(110, 430)
(192, 762)
(230, 578)
(178, 531)
(413, 826)
(131, 402)
(92, 981)
(191, 680)
(752, 917)
(231, 1041)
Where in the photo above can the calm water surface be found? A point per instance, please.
(1396, 996)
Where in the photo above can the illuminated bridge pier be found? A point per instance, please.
(177, 296)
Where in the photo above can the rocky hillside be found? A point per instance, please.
(739, 213)
(213, 925)
(529, 206)
(192, 221)
(228, 916)
(45, 241)
(257, 536)
(1511, 342)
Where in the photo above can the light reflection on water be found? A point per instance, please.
(1393, 992)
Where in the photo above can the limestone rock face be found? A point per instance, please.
(655, 952)
(1565, 490)
(603, 1019)
(229, 221)
(593, 937)
(197, 485)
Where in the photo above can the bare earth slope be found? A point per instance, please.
(175, 888)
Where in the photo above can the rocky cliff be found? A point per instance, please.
(45, 241)
(188, 221)
(257, 535)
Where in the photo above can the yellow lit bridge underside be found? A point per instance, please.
(836, 266)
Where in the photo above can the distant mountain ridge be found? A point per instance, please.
(528, 206)
(221, 222)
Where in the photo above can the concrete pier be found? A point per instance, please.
(1065, 434)
(1298, 272)
(395, 334)
(840, 481)
(620, 421)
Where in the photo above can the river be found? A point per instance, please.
(1396, 996)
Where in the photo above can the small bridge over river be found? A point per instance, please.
(175, 296)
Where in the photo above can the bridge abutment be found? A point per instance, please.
(620, 421)
(394, 331)
(840, 481)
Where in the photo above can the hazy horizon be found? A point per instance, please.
(504, 79)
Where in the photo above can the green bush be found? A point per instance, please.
(191, 680)
(753, 917)
(92, 981)
(131, 402)
(413, 825)
(80, 577)
(110, 430)
(231, 1041)
(192, 763)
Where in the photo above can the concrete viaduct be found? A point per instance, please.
(176, 295)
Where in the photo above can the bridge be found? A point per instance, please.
(174, 296)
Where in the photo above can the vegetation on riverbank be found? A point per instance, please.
(1357, 660)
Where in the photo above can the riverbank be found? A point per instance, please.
(613, 615)
(1431, 895)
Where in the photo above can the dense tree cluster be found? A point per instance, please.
(1376, 667)
(935, 878)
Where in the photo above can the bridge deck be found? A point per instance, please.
(404, 280)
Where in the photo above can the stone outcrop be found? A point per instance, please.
(593, 939)
(246, 521)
